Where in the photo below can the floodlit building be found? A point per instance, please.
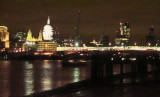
(123, 34)
(30, 38)
(4, 38)
(31, 42)
(48, 43)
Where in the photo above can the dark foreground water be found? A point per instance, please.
(18, 78)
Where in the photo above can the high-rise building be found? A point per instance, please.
(104, 40)
(151, 36)
(20, 36)
(77, 38)
(17, 41)
(56, 36)
(123, 34)
(4, 38)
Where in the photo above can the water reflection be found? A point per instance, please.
(28, 78)
(18, 78)
(76, 75)
(46, 79)
(4, 78)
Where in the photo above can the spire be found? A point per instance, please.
(48, 21)
(40, 36)
(29, 35)
(29, 31)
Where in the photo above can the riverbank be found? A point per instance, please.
(88, 88)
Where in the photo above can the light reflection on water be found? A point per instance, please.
(28, 78)
(46, 79)
(76, 74)
(4, 78)
(18, 78)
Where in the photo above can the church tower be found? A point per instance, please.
(40, 37)
(29, 35)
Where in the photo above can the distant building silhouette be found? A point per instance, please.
(104, 40)
(77, 38)
(151, 37)
(17, 41)
(123, 34)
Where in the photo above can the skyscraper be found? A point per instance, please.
(77, 39)
(123, 34)
(151, 36)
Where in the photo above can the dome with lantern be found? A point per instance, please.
(48, 31)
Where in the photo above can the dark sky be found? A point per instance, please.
(97, 16)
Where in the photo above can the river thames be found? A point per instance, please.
(19, 78)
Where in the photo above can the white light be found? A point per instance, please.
(123, 58)
(76, 44)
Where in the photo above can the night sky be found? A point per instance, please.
(97, 16)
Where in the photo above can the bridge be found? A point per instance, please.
(137, 48)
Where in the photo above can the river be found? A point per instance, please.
(19, 78)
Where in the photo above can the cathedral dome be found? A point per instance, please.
(48, 27)
(48, 31)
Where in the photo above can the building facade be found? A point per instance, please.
(123, 34)
(48, 43)
(151, 37)
(4, 38)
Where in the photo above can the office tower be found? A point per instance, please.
(123, 34)
(151, 37)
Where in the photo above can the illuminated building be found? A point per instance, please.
(94, 43)
(17, 41)
(151, 37)
(20, 36)
(47, 46)
(123, 34)
(30, 38)
(68, 42)
(48, 43)
(4, 38)
(56, 36)
(48, 31)
(31, 42)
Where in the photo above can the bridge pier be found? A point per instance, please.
(102, 67)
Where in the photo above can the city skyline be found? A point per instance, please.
(96, 17)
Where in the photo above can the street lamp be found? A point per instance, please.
(122, 44)
(149, 44)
